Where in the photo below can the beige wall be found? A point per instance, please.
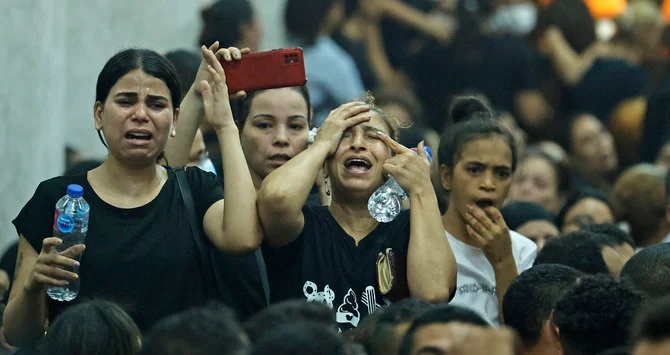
(52, 53)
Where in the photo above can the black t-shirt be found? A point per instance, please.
(359, 54)
(143, 258)
(656, 128)
(324, 265)
(608, 82)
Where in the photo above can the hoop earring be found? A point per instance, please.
(327, 182)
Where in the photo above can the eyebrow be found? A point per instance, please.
(430, 350)
(267, 115)
(480, 163)
(368, 128)
(134, 95)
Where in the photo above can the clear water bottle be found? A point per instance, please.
(70, 225)
(385, 204)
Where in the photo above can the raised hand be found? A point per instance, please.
(218, 113)
(49, 266)
(411, 169)
(488, 230)
(227, 54)
(338, 121)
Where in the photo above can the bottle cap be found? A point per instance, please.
(74, 190)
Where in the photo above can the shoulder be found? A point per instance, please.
(523, 248)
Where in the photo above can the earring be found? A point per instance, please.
(173, 133)
(327, 183)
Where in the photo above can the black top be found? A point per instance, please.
(143, 258)
(359, 54)
(324, 264)
(608, 82)
(656, 131)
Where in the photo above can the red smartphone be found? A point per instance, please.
(266, 70)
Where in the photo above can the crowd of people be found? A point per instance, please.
(238, 223)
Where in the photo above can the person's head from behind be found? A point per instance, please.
(477, 158)
(530, 220)
(595, 315)
(274, 127)
(186, 64)
(308, 19)
(356, 170)
(649, 270)
(585, 251)
(584, 207)
(211, 329)
(572, 18)
(231, 22)
(430, 331)
(650, 333)
(301, 338)
(638, 198)
(540, 179)
(403, 105)
(93, 327)
(392, 323)
(282, 313)
(529, 302)
(590, 146)
(663, 156)
(136, 105)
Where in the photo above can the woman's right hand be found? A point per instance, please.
(338, 121)
(49, 266)
(227, 54)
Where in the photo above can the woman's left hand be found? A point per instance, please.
(488, 230)
(411, 169)
(214, 90)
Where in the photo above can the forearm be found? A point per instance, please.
(409, 15)
(431, 266)
(191, 112)
(505, 272)
(285, 190)
(377, 55)
(241, 224)
(569, 65)
(24, 317)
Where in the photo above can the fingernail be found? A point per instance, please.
(227, 56)
(75, 276)
(380, 133)
(76, 264)
(469, 207)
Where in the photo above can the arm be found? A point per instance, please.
(191, 109)
(431, 265)
(26, 312)
(505, 271)
(231, 224)
(385, 73)
(285, 190)
(410, 16)
(569, 65)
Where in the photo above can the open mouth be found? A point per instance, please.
(357, 165)
(279, 158)
(484, 203)
(139, 136)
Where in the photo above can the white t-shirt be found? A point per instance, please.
(476, 281)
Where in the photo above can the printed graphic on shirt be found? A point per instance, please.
(348, 313)
(477, 288)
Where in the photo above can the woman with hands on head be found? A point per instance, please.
(330, 254)
(139, 249)
(477, 158)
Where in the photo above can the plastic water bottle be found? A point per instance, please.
(385, 204)
(70, 225)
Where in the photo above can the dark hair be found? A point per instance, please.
(211, 329)
(404, 98)
(290, 311)
(468, 107)
(241, 110)
(382, 338)
(301, 338)
(468, 38)
(304, 18)
(575, 197)
(93, 327)
(652, 323)
(517, 213)
(580, 250)
(128, 60)
(561, 170)
(222, 21)
(573, 19)
(595, 314)
(531, 297)
(186, 64)
(612, 232)
(455, 138)
(667, 188)
(441, 314)
(649, 270)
